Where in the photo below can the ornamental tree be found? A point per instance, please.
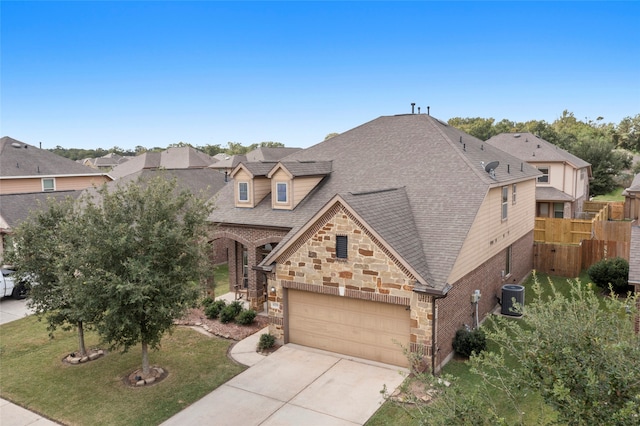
(146, 250)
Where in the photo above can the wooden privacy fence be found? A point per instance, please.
(563, 231)
(567, 260)
(564, 247)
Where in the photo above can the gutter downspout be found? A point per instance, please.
(433, 331)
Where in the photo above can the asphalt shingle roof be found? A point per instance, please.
(173, 158)
(14, 208)
(441, 169)
(21, 159)
(549, 193)
(532, 149)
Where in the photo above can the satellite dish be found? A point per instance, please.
(491, 166)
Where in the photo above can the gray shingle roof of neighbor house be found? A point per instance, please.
(19, 159)
(531, 148)
(549, 193)
(441, 169)
(173, 158)
(634, 256)
(204, 181)
(269, 154)
(14, 208)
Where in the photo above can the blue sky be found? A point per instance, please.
(103, 74)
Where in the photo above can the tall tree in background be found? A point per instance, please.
(605, 163)
(147, 249)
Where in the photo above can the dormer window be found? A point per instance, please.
(243, 191)
(281, 189)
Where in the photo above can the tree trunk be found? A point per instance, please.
(81, 347)
(145, 360)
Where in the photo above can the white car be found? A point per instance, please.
(8, 286)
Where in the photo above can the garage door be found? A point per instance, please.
(360, 328)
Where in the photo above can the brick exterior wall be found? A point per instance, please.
(456, 309)
(637, 289)
(369, 273)
(234, 239)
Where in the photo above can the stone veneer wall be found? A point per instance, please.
(456, 309)
(370, 272)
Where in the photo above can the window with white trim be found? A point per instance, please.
(243, 191)
(545, 174)
(48, 184)
(281, 192)
(505, 201)
(513, 194)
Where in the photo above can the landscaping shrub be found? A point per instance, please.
(614, 271)
(237, 307)
(467, 342)
(206, 301)
(228, 314)
(266, 341)
(213, 310)
(246, 317)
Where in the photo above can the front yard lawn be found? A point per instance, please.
(34, 376)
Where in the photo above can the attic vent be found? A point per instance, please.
(16, 145)
(517, 135)
(538, 146)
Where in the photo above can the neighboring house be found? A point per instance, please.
(634, 268)
(25, 168)
(228, 163)
(563, 186)
(29, 175)
(14, 208)
(184, 157)
(106, 162)
(379, 237)
(632, 200)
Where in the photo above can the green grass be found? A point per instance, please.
(391, 413)
(33, 376)
(221, 279)
(615, 195)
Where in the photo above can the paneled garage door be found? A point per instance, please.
(360, 328)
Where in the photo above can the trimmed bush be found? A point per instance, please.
(467, 342)
(227, 314)
(237, 307)
(213, 310)
(266, 341)
(614, 271)
(246, 317)
(206, 302)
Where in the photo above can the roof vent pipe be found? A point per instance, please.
(508, 168)
(418, 110)
(40, 145)
(464, 146)
(428, 108)
(38, 169)
(521, 167)
(413, 104)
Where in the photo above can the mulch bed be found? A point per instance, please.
(233, 331)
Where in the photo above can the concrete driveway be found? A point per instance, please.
(11, 309)
(296, 386)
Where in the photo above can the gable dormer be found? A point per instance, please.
(251, 183)
(294, 180)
